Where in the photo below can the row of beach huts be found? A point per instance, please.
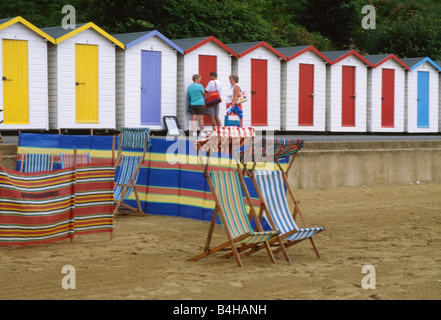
(84, 78)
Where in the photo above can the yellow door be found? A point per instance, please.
(15, 82)
(86, 73)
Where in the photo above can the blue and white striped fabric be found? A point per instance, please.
(272, 188)
(126, 170)
(34, 162)
(135, 138)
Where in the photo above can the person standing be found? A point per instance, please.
(213, 111)
(196, 94)
(234, 94)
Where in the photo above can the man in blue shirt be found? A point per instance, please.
(196, 95)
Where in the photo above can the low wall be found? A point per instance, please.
(341, 164)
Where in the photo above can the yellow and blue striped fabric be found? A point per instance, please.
(272, 188)
(228, 189)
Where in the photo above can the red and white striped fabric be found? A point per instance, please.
(223, 139)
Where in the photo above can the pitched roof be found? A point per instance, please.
(190, 44)
(6, 22)
(60, 34)
(415, 62)
(293, 52)
(133, 38)
(336, 56)
(378, 59)
(244, 48)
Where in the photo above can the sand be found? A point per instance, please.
(395, 229)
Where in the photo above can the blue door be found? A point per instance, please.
(150, 88)
(423, 100)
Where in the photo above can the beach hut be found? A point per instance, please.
(82, 78)
(303, 81)
(346, 91)
(422, 99)
(385, 93)
(258, 66)
(23, 71)
(146, 73)
(439, 97)
(201, 56)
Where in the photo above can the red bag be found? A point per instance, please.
(213, 97)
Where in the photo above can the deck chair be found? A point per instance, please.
(129, 165)
(72, 159)
(226, 188)
(270, 187)
(34, 162)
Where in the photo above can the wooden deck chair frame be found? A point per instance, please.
(23, 159)
(231, 243)
(120, 206)
(296, 210)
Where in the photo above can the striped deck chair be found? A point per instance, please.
(67, 159)
(129, 166)
(227, 192)
(273, 195)
(34, 162)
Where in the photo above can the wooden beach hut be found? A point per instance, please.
(439, 97)
(23, 70)
(258, 67)
(346, 82)
(385, 93)
(82, 78)
(303, 89)
(146, 73)
(422, 98)
(201, 56)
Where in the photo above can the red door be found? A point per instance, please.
(259, 92)
(388, 98)
(207, 64)
(348, 97)
(306, 94)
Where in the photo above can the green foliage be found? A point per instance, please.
(405, 28)
(408, 28)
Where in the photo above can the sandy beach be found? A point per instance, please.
(394, 228)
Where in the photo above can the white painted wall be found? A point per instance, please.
(412, 103)
(334, 91)
(128, 82)
(37, 74)
(63, 106)
(274, 87)
(290, 94)
(374, 101)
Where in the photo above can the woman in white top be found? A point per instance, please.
(234, 92)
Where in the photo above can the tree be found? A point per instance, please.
(335, 20)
